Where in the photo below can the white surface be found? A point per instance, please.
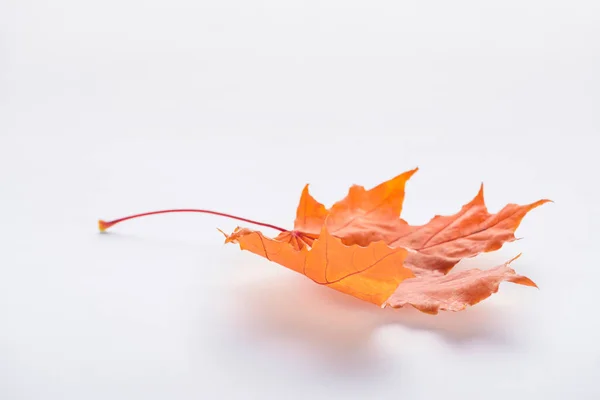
(114, 107)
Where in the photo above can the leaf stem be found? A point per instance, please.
(104, 225)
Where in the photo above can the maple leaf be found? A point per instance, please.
(360, 246)
(370, 273)
(455, 291)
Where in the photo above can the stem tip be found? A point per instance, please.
(103, 225)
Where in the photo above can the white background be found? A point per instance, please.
(114, 107)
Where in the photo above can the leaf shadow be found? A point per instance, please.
(339, 329)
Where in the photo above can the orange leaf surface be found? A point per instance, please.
(455, 291)
(445, 240)
(364, 216)
(369, 273)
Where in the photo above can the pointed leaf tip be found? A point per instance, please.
(514, 258)
(224, 234)
(480, 196)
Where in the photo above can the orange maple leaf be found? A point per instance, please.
(360, 246)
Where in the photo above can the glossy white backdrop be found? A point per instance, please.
(115, 107)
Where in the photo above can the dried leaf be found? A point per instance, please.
(455, 291)
(369, 273)
(360, 246)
